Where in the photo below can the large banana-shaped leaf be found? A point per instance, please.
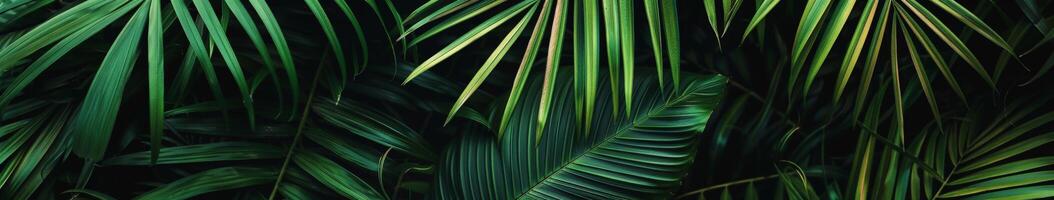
(642, 155)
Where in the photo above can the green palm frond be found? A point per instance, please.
(334, 176)
(374, 126)
(816, 12)
(973, 160)
(48, 124)
(318, 168)
(618, 18)
(71, 29)
(210, 181)
(641, 156)
(825, 99)
(99, 110)
(198, 153)
(33, 146)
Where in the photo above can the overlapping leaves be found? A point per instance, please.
(637, 156)
(986, 157)
(67, 30)
(552, 22)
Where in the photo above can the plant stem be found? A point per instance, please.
(299, 131)
(945, 182)
(723, 185)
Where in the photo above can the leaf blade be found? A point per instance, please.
(98, 112)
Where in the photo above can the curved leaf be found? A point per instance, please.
(98, 113)
(210, 181)
(212, 152)
(334, 176)
(374, 126)
(641, 156)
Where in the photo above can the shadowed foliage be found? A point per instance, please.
(532, 99)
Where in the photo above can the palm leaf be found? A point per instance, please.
(711, 17)
(522, 73)
(872, 59)
(436, 14)
(975, 23)
(347, 149)
(931, 49)
(197, 47)
(13, 10)
(552, 62)
(156, 76)
(612, 37)
(763, 11)
(218, 35)
(973, 163)
(249, 25)
(25, 171)
(924, 81)
(490, 64)
(673, 40)
(619, 27)
(334, 43)
(334, 176)
(278, 38)
(60, 49)
(468, 38)
(625, 10)
(811, 18)
(211, 180)
(856, 45)
(651, 10)
(834, 28)
(453, 20)
(58, 27)
(587, 60)
(591, 165)
(98, 113)
(945, 34)
(212, 152)
(374, 126)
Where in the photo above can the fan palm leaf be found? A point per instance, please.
(619, 28)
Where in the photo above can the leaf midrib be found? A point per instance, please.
(620, 131)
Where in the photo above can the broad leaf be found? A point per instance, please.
(640, 156)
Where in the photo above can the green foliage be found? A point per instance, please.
(628, 157)
(817, 99)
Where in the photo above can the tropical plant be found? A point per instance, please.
(634, 156)
(727, 99)
(975, 158)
